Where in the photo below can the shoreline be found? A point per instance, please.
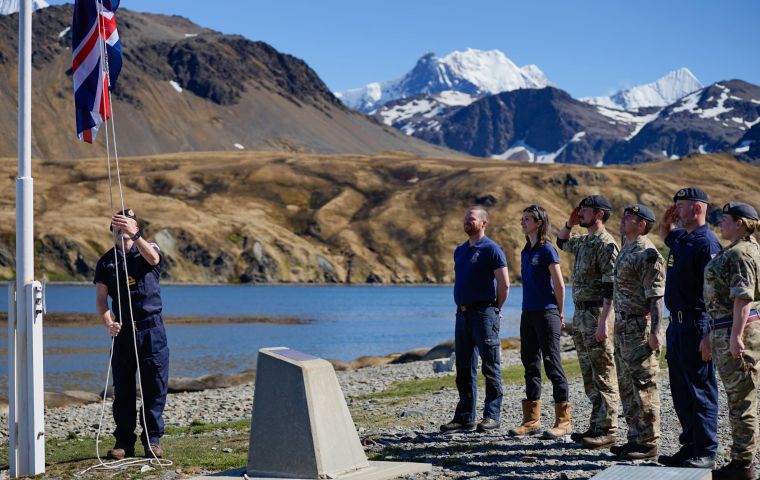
(71, 319)
(394, 425)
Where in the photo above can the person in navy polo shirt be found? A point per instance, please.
(690, 367)
(542, 319)
(481, 286)
(135, 296)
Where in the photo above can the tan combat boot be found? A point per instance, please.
(562, 425)
(531, 423)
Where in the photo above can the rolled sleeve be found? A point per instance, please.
(571, 244)
(607, 256)
(653, 274)
(743, 283)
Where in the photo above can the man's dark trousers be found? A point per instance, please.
(694, 386)
(477, 329)
(153, 353)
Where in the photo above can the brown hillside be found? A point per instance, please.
(234, 91)
(281, 217)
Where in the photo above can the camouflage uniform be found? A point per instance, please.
(639, 278)
(595, 256)
(733, 273)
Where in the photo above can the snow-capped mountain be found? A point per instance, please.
(673, 86)
(8, 7)
(472, 72)
(548, 125)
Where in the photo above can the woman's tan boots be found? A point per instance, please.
(531, 423)
(562, 421)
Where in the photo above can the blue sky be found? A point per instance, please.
(586, 47)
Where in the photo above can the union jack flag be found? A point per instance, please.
(94, 45)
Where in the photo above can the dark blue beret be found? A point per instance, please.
(691, 193)
(642, 211)
(597, 202)
(741, 210)
(127, 213)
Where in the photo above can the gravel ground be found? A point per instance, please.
(412, 432)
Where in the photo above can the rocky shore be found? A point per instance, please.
(407, 428)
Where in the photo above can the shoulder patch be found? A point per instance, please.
(650, 255)
(611, 248)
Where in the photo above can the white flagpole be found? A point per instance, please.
(26, 392)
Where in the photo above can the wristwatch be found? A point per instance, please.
(137, 235)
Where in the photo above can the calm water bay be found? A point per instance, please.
(348, 321)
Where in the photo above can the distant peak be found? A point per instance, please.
(667, 89)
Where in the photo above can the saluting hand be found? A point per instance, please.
(575, 217)
(669, 217)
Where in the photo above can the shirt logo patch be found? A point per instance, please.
(671, 260)
(131, 281)
(475, 256)
(534, 260)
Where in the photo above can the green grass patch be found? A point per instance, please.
(195, 448)
(512, 375)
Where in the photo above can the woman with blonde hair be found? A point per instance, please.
(540, 325)
(732, 298)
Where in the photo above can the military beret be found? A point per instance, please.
(741, 210)
(128, 213)
(691, 193)
(597, 202)
(641, 211)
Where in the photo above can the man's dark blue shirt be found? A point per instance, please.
(141, 284)
(474, 280)
(538, 291)
(689, 254)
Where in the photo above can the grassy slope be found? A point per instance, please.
(395, 216)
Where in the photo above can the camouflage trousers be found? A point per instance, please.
(597, 364)
(740, 378)
(637, 369)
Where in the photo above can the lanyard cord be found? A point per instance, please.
(106, 97)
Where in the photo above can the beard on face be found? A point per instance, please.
(470, 229)
(585, 224)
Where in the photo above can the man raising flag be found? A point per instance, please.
(96, 63)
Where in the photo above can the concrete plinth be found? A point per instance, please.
(301, 427)
(632, 472)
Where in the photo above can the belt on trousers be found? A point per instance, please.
(679, 316)
(588, 304)
(627, 316)
(145, 324)
(475, 306)
(727, 322)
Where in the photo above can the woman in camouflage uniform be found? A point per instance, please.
(732, 294)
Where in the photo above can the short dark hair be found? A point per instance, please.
(479, 208)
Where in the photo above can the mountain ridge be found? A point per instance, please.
(184, 87)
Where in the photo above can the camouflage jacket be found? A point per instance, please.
(639, 277)
(594, 265)
(732, 273)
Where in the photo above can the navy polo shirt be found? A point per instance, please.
(538, 291)
(689, 255)
(474, 280)
(141, 280)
